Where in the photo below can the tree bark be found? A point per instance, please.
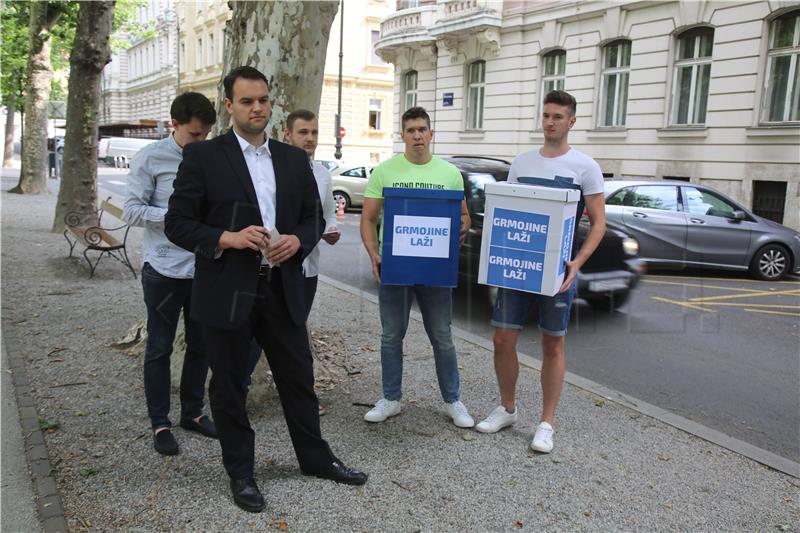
(33, 175)
(91, 52)
(287, 41)
(8, 147)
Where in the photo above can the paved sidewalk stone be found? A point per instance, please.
(612, 468)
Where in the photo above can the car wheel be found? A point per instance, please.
(339, 195)
(770, 263)
(608, 303)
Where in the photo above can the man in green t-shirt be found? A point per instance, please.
(416, 168)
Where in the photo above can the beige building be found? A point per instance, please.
(367, 81)
(702, 91)
(140, 83)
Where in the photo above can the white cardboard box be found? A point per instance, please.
(527, 236)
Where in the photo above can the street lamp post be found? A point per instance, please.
(338, 121)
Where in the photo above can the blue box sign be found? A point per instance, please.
(517, 249)
(566, 243)
(447, 99)
(420, 237)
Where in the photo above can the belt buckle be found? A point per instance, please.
(265, 271)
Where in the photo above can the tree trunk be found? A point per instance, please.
(8, 149)
(33, 175)
(287, 41)
(91, 52)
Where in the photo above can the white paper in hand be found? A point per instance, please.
(274, 237)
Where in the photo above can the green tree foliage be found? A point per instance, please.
(14, 18)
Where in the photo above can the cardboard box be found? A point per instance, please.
(420, 237)
(527, 236)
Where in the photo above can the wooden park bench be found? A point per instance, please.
(89, 230)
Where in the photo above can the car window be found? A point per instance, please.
(618, 198)
(700, 202)
(477, 197)
(664, 197)
(357, 172)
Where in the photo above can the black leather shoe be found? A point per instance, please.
(340, 474)
(246, 495)
(205, 427)
(164, 443)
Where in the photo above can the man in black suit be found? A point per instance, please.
(248, 208)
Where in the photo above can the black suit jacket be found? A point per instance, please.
(214, 192)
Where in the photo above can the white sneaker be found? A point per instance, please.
(497, 420)
(543, 439)
(383, 410)
(458, 412)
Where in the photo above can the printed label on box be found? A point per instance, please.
(415, 236)
(515, 269)
(520, 230)
(566, 243)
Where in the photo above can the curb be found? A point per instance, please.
(45, 489)
(766, 458)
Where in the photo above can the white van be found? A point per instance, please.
(112, 150)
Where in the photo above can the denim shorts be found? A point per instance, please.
(512, 308)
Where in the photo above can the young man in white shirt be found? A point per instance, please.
(302, 131)
(555, 164)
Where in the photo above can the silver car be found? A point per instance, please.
(681, 224)
(349, 183)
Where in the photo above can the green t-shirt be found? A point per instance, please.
(401, 173)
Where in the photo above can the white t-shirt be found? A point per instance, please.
(573, 170)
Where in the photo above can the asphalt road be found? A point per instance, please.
(717, 348)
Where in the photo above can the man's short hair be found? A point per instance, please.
(302, 114)
(248, 73)
(192, 105)
(415, 112)
(560, 97)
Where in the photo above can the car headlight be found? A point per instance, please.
(630, 246)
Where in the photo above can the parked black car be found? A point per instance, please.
(605, 281)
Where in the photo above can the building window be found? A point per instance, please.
(614, 83)
(782, 79)
(182, 59)
(769, 199)
(375, 114)
(211, 58)
(554, 64)
(410, 88)
(476, 82)
(691, 78)
(374, 58)
(199, 54)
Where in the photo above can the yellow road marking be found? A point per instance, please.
(776, 306)
(700, 285)
(797, 315)
(747, 295)
(722, 279)
(683, 304)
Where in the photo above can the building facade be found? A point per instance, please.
(139, 84)
(707, 92)
(367, 80)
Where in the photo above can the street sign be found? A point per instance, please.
(342, 132)
(447, 100)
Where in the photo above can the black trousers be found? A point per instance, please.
(289, 357)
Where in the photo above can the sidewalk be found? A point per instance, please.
(613, 468)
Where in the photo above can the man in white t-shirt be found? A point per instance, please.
(555, 164)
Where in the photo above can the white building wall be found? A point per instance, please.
(729, 153)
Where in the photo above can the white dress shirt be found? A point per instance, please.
(325, 188)
(262, 173)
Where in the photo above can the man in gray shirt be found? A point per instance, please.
(167, 275)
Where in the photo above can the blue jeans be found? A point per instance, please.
(436, 304)
(165, 298)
